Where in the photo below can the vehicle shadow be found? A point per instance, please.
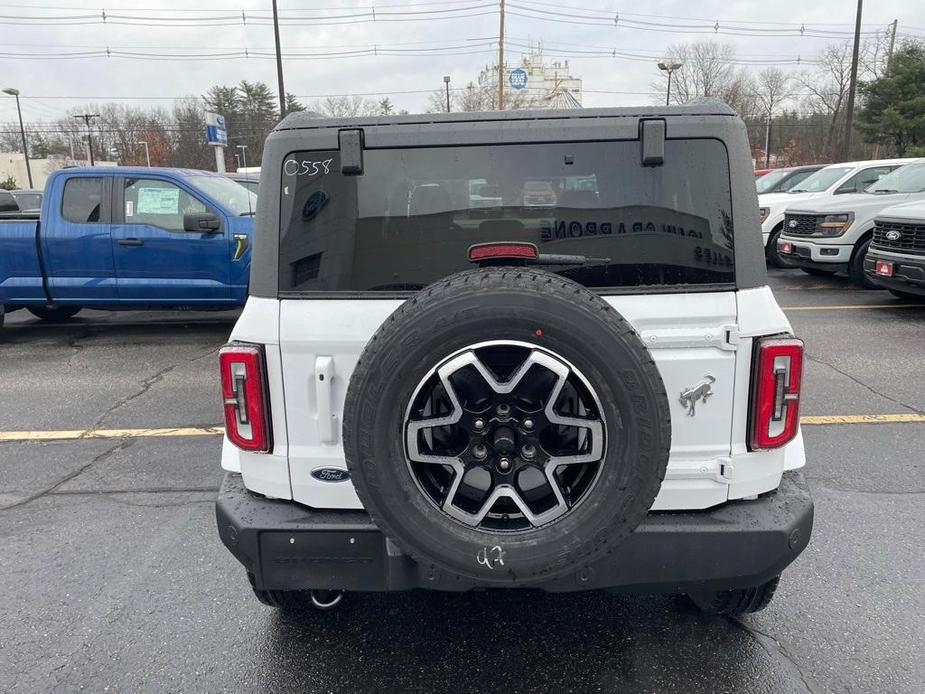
(516, 641)
(129, 328)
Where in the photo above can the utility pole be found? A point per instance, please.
(852, 87)
(889, 55)
(767, 142)
(279, 64)
(86, 119)
(22, 132)
(501, 59)
(446, 81)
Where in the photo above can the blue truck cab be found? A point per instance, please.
(128, 238)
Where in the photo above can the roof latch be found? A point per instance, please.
(351, 151)
(652, 137)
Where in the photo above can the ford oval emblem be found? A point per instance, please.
(893, 235)
(330, 474)
(792, 224)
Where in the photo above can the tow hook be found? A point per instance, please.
(326, 599)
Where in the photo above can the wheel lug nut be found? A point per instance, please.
(479, 451)
(528, 451)
(504, 464)
(479, 423)
(528, 423)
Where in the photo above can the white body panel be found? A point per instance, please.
(690, 336)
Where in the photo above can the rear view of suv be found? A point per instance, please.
(596, 392)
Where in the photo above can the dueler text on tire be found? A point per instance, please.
(506, 426)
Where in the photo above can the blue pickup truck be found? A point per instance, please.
(128, 238)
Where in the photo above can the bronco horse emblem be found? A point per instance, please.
(690, 396)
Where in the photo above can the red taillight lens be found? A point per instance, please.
(776, 384)
(511, 249)
(244, 394)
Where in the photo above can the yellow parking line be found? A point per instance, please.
(849, 307)
(66, 434)
(75, 434)
(862, 419)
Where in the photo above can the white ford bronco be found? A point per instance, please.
(430, 391)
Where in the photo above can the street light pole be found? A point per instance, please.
(147, 154)
(243, 149)
(446, 81)
(669, 68)
(22, 132)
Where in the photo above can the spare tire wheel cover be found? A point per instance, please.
(506, 426)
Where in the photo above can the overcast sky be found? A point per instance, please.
(43, 82)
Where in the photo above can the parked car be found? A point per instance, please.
(603, 396)
(8, 204)
(28, 200)
(836, 179)
(782, 180)
(128, 237)
(896, 257)
(539, 194)
(828, 235)
(250, 181)
(762, 172)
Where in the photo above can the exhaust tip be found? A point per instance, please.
(326, 599)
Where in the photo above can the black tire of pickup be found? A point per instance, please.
(527, 306)
(738, 601)
(856, 265)
(54, 314)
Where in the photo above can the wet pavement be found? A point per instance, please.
(113, 577)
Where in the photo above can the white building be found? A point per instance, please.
(12, 164)
(544, 85)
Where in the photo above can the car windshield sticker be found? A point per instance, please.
(158, 200)
(129, 208)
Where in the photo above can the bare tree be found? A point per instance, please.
(827, 89)
(481, 97)
(708, 70)
(771, 89)
(345, 107)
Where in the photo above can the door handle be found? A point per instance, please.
(130, 242)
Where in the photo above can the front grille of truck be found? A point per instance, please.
(911, 237)
(806, 224)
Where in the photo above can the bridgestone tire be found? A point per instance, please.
(57, 314)
(738, 601)
(528, 306)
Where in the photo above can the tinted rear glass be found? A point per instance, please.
(410, 218)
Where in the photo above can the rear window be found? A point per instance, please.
(82, 200)
(410, 218)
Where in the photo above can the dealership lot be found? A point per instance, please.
(113, 575)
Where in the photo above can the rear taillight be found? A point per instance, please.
(776, 383)
(245, 397)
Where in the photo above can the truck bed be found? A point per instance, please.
(20, 272)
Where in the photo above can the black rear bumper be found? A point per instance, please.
(743, 543)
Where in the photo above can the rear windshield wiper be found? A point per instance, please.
(565, 259)
(249, 213)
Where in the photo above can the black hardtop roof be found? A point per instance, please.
(310, 120)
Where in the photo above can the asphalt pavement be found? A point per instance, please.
(113, 578)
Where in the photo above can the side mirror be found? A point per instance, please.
(202, 222)
(845, 189)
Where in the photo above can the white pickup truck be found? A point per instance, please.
(598, 393)
(896, 258)
(835, 180)
(824, 236)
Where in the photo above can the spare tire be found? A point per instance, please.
(506, 426)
